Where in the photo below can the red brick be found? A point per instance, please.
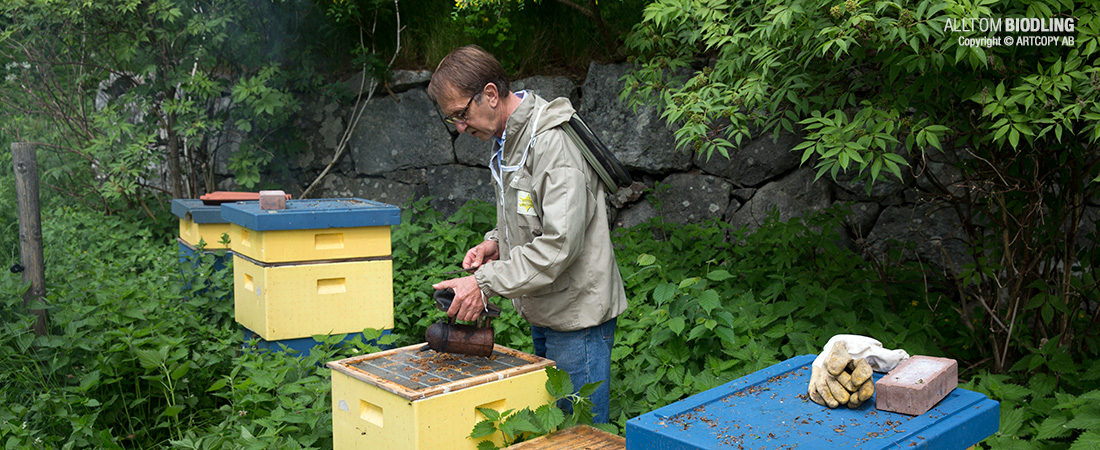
(916, 385)
(272, 200)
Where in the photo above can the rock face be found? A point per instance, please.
(641, 141)
(401, 150)
(451, 186)
(400, 133)
(759, 160)
(925, 231)
(472, 151)
(550, 88)
(792, 196)
(688, 198)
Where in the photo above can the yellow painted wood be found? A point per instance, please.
(302, 300)
(310, 245)
(210, 233)
(366, 417)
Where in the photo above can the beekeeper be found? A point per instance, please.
(551, 250)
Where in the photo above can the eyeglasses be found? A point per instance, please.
(461, 116)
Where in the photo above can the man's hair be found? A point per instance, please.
(467, 70)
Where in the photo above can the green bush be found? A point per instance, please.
(143, 351)
(711, 304)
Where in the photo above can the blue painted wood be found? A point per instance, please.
(312, 214)
(300, 347)
(199, 212)
(189, 254)
(769, 409)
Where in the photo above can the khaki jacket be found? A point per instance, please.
(556, 261)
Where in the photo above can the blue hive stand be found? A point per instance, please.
(770, 409)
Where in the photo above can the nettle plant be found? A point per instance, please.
(709, 304)
(518, 426)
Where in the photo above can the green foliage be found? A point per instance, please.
(127, 360)
(876, 86)
(247, 164)
(525, 424)
(154, 101)
(1035, 415)
(711, 304)
(532, 37)
(9, 220)
(781, 64)
(143, 351)
(485, 22)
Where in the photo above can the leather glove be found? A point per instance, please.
(836, 378)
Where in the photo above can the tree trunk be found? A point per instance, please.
(608, 40)
(174, 157)
(25, 165)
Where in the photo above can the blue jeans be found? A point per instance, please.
(586, 355)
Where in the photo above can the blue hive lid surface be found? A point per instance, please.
(196, 211)
(770, 409)
(312, 214)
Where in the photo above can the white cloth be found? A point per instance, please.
(880, 359)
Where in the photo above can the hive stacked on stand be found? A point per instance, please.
(317, 267)
(407, 399)
(201, 226)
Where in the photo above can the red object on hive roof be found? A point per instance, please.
(219, 197)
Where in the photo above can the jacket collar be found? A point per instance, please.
(514, 130)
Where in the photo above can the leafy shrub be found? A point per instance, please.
(710, 304)
(525, 424)
(143, 351)
(1036, 415)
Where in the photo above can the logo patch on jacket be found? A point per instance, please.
(525, 204)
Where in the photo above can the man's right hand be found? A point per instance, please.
(481, 254)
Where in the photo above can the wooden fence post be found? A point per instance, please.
(30, 229)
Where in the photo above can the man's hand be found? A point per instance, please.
(481, 254)
(468, 303)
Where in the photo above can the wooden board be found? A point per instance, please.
(578, 437)
(415, 375)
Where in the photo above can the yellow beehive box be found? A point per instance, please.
(310, 245)
(200, 223)
(405, 399)
(311, 230)
(208, 233)
(289, 301)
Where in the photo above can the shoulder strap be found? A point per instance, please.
(610, 170)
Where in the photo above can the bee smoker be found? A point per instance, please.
(449, 337)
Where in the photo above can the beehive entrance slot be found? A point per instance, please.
(498, 405)
(370, 412)
(329, 241)
(332, 286)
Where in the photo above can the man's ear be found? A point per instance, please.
(491, 94)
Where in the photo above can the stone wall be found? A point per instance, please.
(401, 150)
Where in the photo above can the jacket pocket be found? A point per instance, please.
(525, 207)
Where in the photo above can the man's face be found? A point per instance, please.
(475, 114)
